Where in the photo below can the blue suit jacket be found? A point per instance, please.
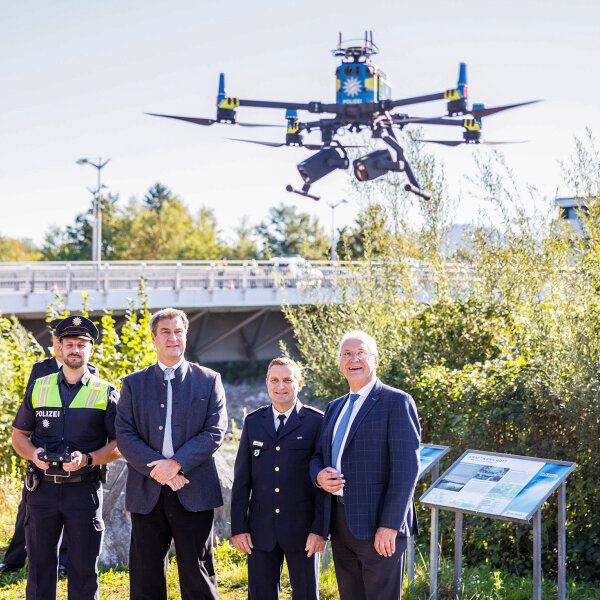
(380, 462)
(259, 490)
(199, 421)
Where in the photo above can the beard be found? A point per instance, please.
(74, 362)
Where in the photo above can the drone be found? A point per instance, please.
(363, 101)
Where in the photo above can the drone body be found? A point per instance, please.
(363, 101)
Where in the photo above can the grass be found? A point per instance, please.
(480, 583)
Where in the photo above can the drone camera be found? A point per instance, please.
(375, 164)
(320, 164)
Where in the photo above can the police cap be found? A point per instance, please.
(76, 327)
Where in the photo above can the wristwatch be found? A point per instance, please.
(89, 459)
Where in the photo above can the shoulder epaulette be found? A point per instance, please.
(259, 409)
(317, 410)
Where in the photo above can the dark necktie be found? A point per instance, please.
(281, 424)
(336, 446)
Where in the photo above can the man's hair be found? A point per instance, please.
(360, 335)
(167, 313)
(288, 362)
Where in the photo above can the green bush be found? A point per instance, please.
(499, 345)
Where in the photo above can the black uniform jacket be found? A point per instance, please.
(273, 497)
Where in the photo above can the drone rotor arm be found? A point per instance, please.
(447, 95)
(431, 121)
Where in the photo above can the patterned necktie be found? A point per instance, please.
(336, 447)
(281, 424)
(167, 448)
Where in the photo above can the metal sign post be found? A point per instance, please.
(507, 487)
(429, 459)
(458, 536)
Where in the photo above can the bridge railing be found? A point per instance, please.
(108, 276)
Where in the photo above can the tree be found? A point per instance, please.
(156, 196)
(244, 246)
(12, 250)
(74, 242)
(171, 233)
(160, 227)
(289, 232)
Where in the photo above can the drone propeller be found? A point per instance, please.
(485, 112)
(206, 122)
(459, 142)
(280, 144)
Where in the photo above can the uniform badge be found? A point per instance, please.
(257, 447)
(76, 321)
(46, 423)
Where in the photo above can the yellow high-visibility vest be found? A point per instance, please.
(93, 395)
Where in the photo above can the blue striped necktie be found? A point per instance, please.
(336, 447)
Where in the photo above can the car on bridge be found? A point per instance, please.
(295, 271)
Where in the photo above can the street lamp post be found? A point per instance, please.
(333, 206)
(97, 208)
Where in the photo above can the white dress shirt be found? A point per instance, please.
(362, 396)
(287, 413)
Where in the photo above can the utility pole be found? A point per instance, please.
(97, 208)
(333, 206)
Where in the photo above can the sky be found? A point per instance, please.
(79, 76)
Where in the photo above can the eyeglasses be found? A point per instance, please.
(361, 355)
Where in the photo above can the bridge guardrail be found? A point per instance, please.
(112, 276)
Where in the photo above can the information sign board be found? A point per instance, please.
(503, 486)
(429, 455)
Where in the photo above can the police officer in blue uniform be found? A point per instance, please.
(65, 428)
(16, 553)
(275, 509)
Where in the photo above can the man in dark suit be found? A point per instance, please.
(16, 553)
(367, 459)
(171, 420)
(275, 509)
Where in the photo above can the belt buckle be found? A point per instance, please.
(57, 478)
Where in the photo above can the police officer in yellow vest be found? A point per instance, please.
(65, 427)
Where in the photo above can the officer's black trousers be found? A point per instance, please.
(16, 552)
(264, 572)
(151, 537)
(78, 508)
(362, 573)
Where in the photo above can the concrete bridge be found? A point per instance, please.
(234, 307)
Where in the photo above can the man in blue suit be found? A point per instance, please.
(275, 509)
(170, 421)
(367, 459)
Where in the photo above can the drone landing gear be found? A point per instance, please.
(303, 191)
(402, 165)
